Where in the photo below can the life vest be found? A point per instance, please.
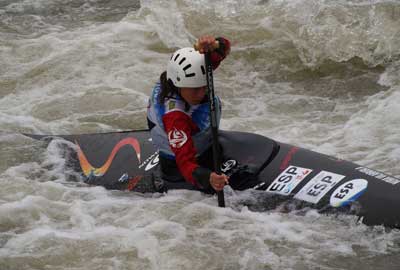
(199, 114)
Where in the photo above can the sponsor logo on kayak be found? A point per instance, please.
(378, 175)
(348, 192)
(150, 162)
(124, 178)
(228, 165)
(318, 186)
(177, 138)
(287, 181)
(90, 171)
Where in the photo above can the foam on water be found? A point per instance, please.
(339, 30)
(68, 71)
(58, 225)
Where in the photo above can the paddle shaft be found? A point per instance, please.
(214, 123)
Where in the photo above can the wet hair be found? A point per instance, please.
(168, 89)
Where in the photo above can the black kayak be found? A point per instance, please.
(128, 161)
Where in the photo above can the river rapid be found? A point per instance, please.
(319, 74)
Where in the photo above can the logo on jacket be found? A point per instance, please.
(177, 138)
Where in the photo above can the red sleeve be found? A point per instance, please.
(218, 55)
(179, 128)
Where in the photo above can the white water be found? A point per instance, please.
(323, 75)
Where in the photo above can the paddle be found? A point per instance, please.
(214, 123)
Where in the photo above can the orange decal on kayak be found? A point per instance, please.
(89, 170)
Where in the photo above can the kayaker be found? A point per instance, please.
(178, 117)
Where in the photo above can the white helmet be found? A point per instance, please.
(186, 68)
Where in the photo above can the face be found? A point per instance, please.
(193, 96)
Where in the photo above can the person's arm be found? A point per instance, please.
(207, 43)
(179, 128)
